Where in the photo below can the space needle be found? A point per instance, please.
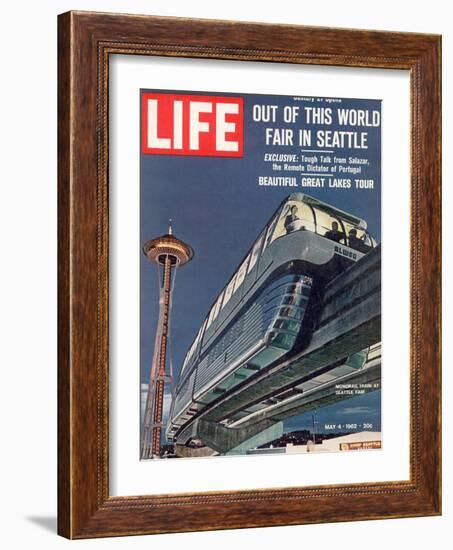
(168, 253)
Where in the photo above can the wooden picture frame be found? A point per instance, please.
(85, 41)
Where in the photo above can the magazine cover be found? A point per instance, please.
(260, 222)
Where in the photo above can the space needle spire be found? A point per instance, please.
(168, 253)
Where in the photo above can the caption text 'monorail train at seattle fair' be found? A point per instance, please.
(269, 308)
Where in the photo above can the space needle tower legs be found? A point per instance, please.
(168, 253)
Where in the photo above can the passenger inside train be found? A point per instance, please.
(299, 215)
(334, 234)
(356, 243)
(290, 219)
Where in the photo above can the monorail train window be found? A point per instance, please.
(255, 252)
(229, 291)
(211, 316)
(287, 324)
(194, 345)
(190, 353)
(241, 273)
(299, 288)
(217, 305)
(329, 226)
(283, 340)
(358, 238)
(202, 329)
(270, 229)
(186, 360)
(295, 300)
(214, 310)
(295, 216)
(294, 312)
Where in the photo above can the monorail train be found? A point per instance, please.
(266, 311)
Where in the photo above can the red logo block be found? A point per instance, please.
(201, 125)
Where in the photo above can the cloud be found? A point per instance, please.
(166, 405)
(357, 410)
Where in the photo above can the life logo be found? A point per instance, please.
(200, 125)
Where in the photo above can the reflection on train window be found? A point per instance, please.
(194, 345)
(292, 311)
(294, 299)
(294, 216)
(283, 340)
(270, 230)
(200, 332)
(217, 305)
(255, 253)
(299, 288)
(329, 226)
(211, 316)
(214, 311)
(368, 240)
(241, 273)
(186, 360)
(287, 324)
(229, 291)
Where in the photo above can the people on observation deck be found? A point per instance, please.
(357, 243)
(334, 234)
(290, 219)
(353, 241)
